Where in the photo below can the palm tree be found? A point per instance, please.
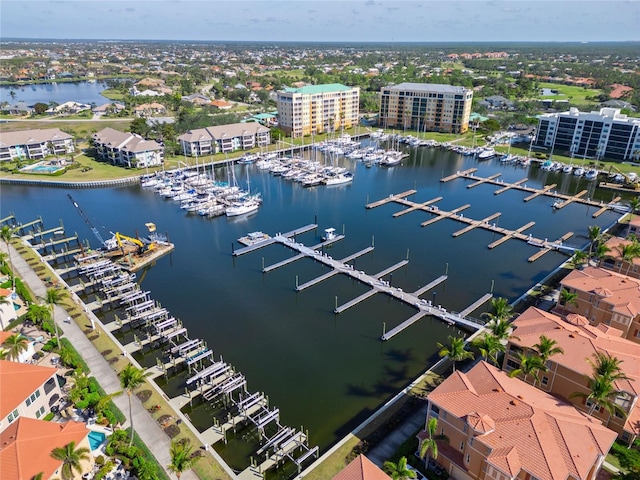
(602, 393)
(629, 252)
(14, 345)
(52, 298)
(3, 258)
(547, 348)
(130, 379)
(490, 346)
(601, 252)
(38, 314)
(455, 351)
(398, 471)
(6, 233)
(568, 298)
(70, 456)
(607, 366)
(181, 457)
(501, 329)
(594, 236)
(501, 308)
(529, 365)
(430, 444)
(578, 259)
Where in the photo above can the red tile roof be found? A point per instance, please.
(19, 380)
(534, 431)
(361, 469)
(26, 445)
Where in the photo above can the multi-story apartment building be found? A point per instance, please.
(425, 107)
(605, 297)
(604, 134)
(318, 108)
(224, 138)
(568, 373)
(27, 391)
(501, 428)
(34, 144)
(127, 149)
(615, 260)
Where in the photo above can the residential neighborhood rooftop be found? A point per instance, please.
(19, 380)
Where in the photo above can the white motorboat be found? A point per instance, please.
(578, 172)
(567, 169)
(338, 179)
(591, 174)
(242, 208)
(486, 154)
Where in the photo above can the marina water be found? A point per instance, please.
(323, 371)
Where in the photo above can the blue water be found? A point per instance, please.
(96, 439)
(44, 169)
(323, 371)
(81, 92)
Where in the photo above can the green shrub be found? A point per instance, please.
(104, 469)
(629, 458)
(22, 291)
(71, 358)
(48, 417)
(51, 345)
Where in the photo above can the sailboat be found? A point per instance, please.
(245, 206)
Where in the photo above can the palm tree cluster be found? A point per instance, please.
(535, 362)
(492, 343)
(606, 370)
(71, 458)
(13, 346)
(629, 252)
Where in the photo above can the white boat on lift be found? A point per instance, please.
(329, 234)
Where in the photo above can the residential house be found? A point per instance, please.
(224, 138)
(318, 108)
(108, 108)
(26, 446)
(604, 297)
(266, 119)
(34, 144)
(127, 149)
(26, 355)
(18, 108)
(619, 91)
(221, 104)
(196, 99)
(150, 109)
(614, 259)
(425, 107)
(361, 468)
(68, 108)
(497, 102)
(568, 373)
(501, 428)
(150, 83)
(27, 391)
(134, 92)
(619, 104)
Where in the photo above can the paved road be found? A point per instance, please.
(146, 427)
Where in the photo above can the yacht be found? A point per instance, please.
(486, 154)
(242, 208)
(578, 171)
(338, 179)
(591, 174)
(567, 169)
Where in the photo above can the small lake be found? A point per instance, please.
(81, 92)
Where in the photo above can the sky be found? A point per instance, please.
(323, 20)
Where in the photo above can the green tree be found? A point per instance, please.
(430, 444)
(38, 314)
(6, 233)
(52, 298)
(629, 253)
(607, 366)
(502, 310)
(490, 346)
(71, 458)
(139, 126)
(568, 298)
(130, 379)
(602, 394)
(398, 471)
(634, 205)
(39, 108)
(14, 345)
(547, 348)
(595, 232)
(455, 350)
(501, 329)
(182, 458)
(601, 251)
(529, 365)
(578, 259)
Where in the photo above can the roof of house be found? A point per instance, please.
(129, 142)
(581, 341)
(361, 468)
(26, 445)
(19, 380)
(222, 131)
(315, 89)
(146, 106)
(533, 431)
(615, 245)
(30, 137)
(430, 87)
(613, 288)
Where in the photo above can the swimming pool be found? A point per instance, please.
(96, 439)
(45, 169)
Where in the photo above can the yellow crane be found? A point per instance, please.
(142, 247)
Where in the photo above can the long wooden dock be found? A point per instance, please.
(569, 200)
(509, 234)
(509, 186)
(271, 241)
(483, 180)
(606, 207)
(415, 206)
(430, 285)
(440, 214)
(458, 174)
(476, 223)
(546, 248)
(475, 305)
(391, 198)
(542, 191)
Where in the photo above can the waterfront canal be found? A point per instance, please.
(323, 371)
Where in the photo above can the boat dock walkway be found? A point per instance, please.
(557, 244)
(562, 199)
(377, 285)
(272, 240)
(485, 224)
(391, 198)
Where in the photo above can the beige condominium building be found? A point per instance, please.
(568, 373)
(318, 109)
(425, 107)
(604, 297)
(500, 428)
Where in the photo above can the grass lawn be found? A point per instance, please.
(569, 92)
(112, 94)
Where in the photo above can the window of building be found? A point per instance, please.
(468, 458)
(13, 415)
(471, 442)
(545, 381)
(461, 445)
